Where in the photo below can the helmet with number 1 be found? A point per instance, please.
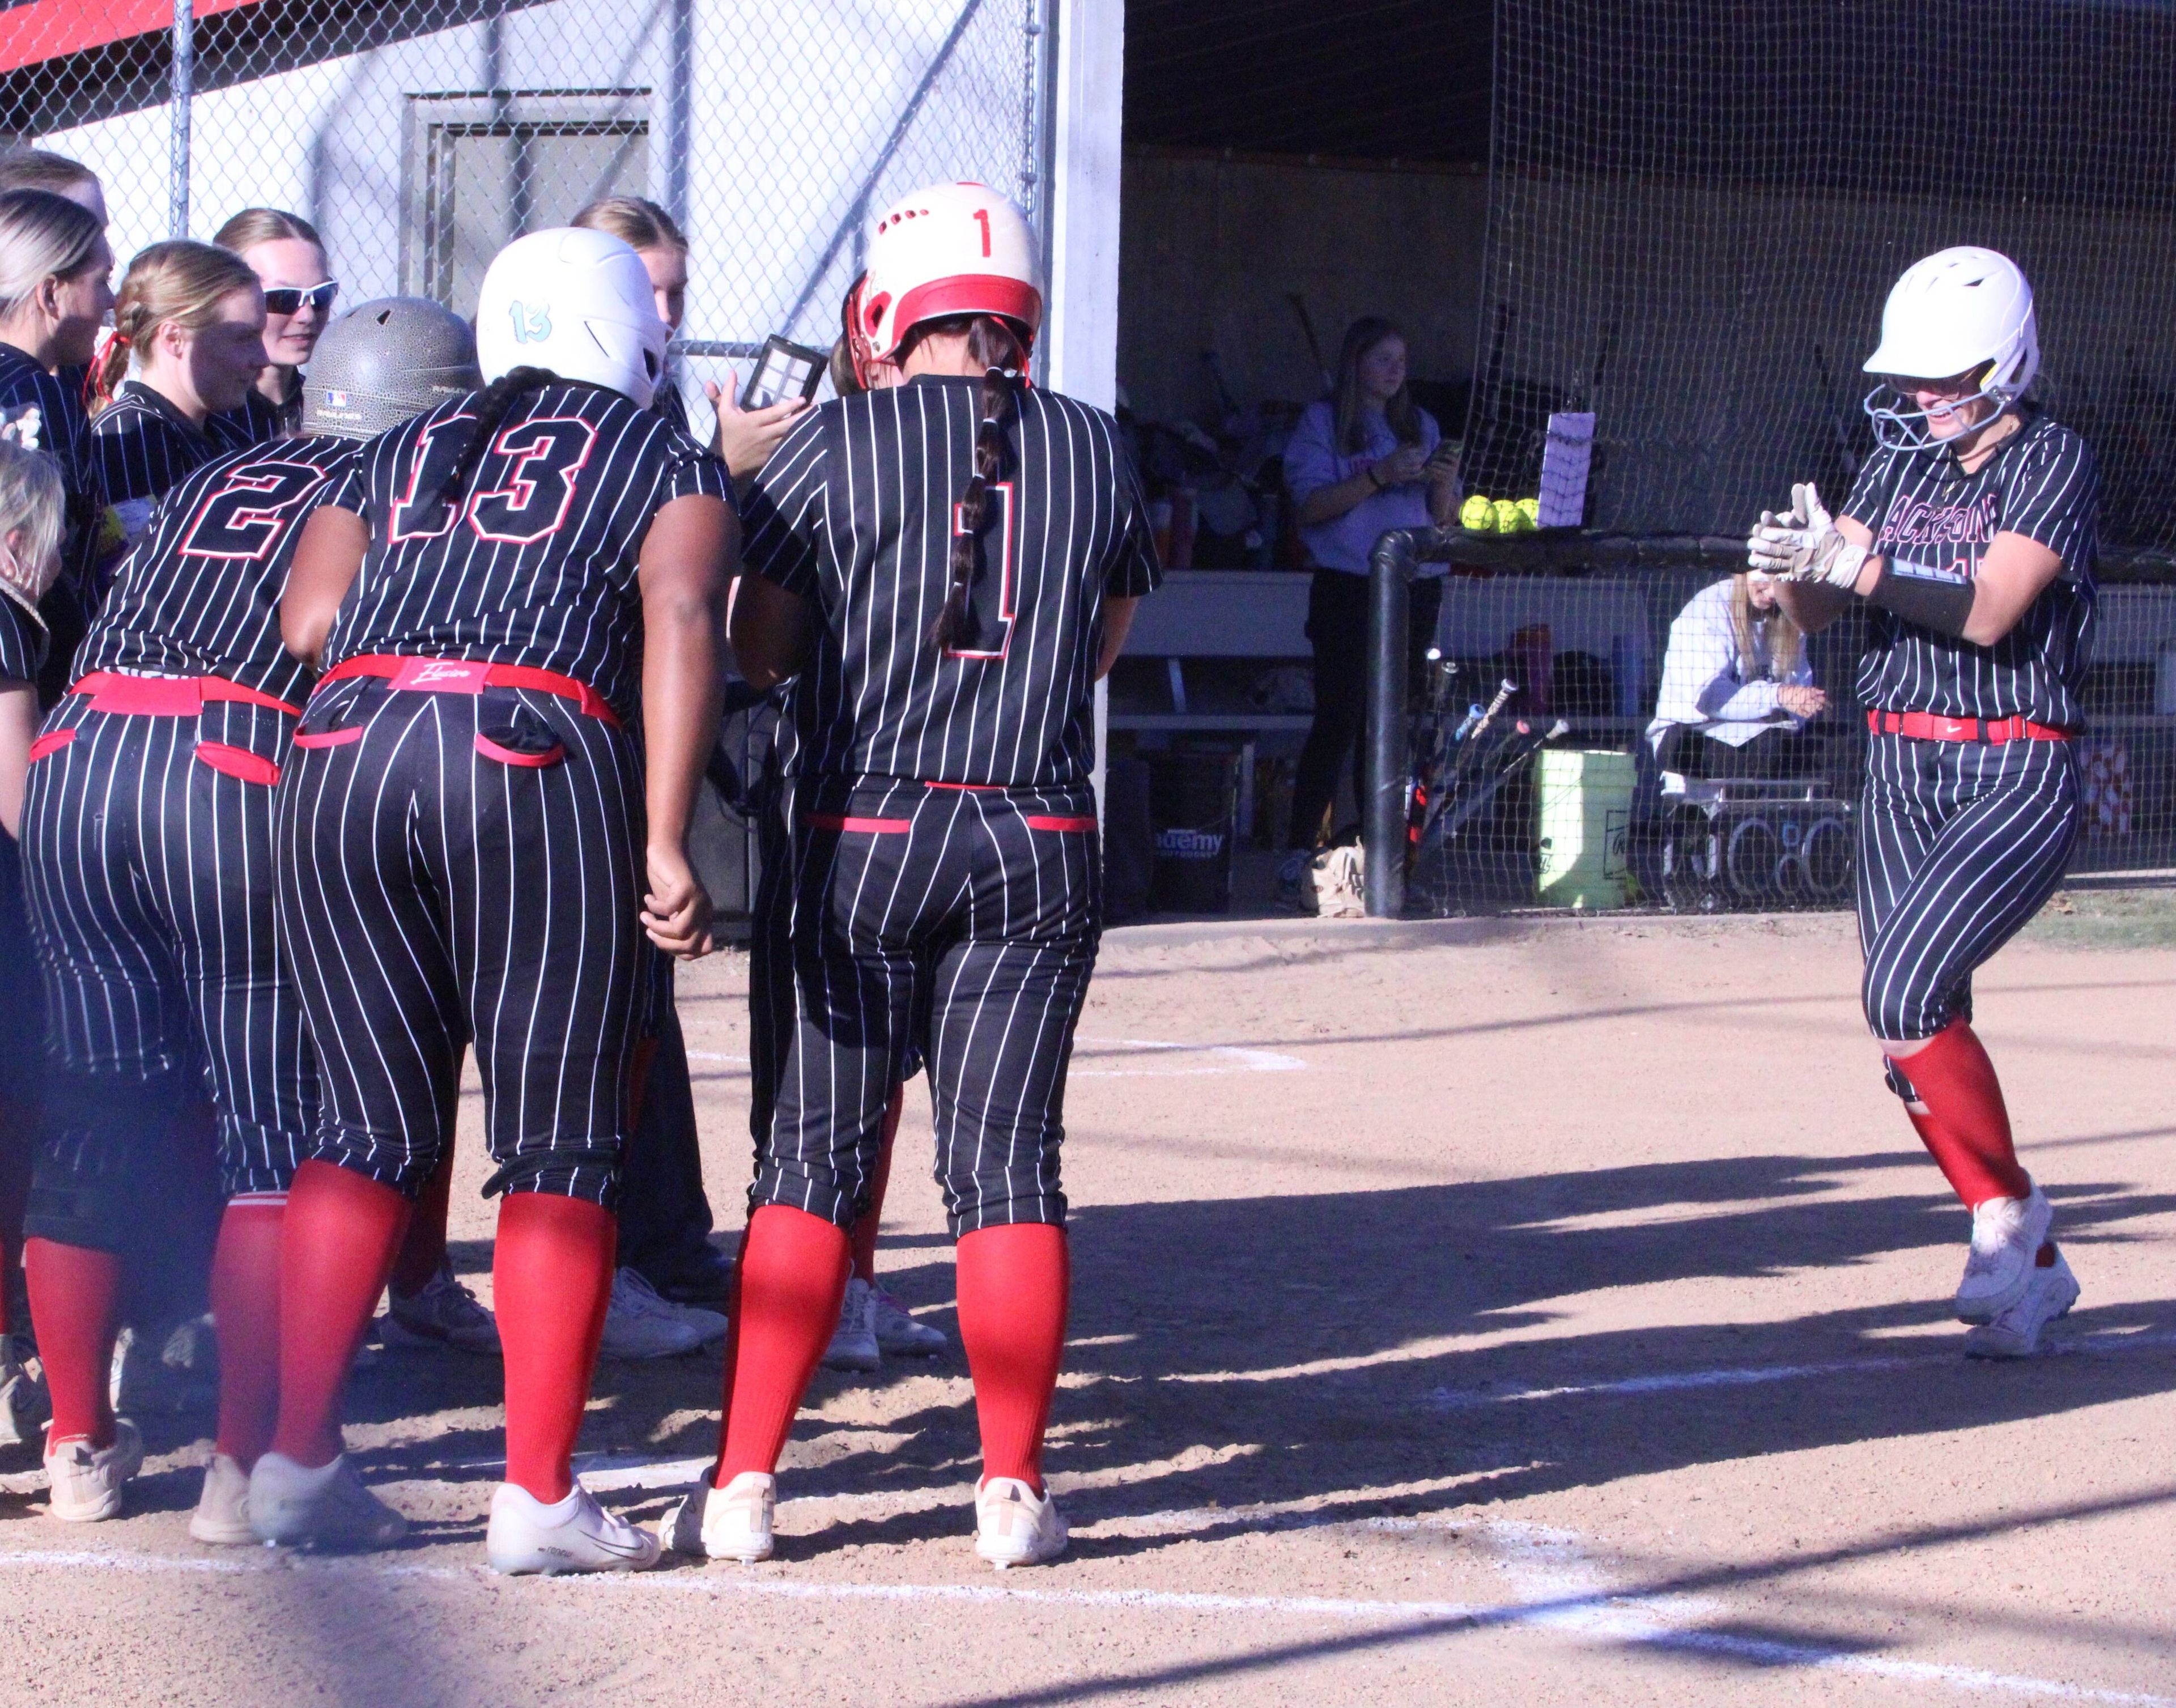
(1960, 313)
(945, 250)
(577, 302)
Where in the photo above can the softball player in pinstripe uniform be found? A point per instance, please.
(149, 845)
(943, 859)
(1971, 534)
(190, 319)
(499, 588)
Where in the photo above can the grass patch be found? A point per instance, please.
(2107, 919)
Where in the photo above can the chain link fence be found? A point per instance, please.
(421, 137)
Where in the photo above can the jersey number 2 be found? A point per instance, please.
(244, 519)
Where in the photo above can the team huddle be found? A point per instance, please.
(378, 736)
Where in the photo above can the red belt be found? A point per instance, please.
(473, 675)
(168, 696)
(1925, 727)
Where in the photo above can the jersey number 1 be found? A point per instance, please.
(991, 598)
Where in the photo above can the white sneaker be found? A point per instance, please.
(86, 1480)
(572, 1535)
(854, 1341)
(153, 1376)
(1015, 1526)
(222, 1513)
(23, 1404)
(898, 1335)
(729, 1523)
(2050, 1291)
(325, 1507)
(444, 1314)
(2007, 1235)
(639, 1324)
(711, 1324)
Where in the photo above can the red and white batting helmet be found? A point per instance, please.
(945, 250)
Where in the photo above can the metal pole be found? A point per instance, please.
(1383, 808)
(183, 83)
(680, 107)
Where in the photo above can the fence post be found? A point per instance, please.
(1382, 811)
(183, 85)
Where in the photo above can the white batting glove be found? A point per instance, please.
(1804, 545)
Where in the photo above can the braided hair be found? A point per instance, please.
(1000, 349)
(497, 399)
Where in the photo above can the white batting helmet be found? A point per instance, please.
(947, 249)
(578, 302)
(1961, 311)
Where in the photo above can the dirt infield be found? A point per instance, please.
(1477, 1312)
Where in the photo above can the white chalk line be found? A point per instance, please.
(2085, 1346)
(1584, 1610)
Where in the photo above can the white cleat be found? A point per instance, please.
(854, 1341)
(444, 1314)
(639, 1324)
(24, 1405)
(898, 1335)
(729, 1523)
(572, 1535)
(2007, 1235)
(2050, 1291)
(325, 1507)
(222, 1513)
(86, 1481)
(1015, 1526)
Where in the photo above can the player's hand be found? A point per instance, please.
(1403, 466)
(747, 437)
(1802, 701)
(676, 912)
(1804, 544)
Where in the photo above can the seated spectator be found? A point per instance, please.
(1736, 685)
(1361, 462)
(288, 256)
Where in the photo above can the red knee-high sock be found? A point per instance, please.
(1013, 1284)
(551, 1276)
(75, 1302)
(342, 1231)
(245, 1303)
(1966, 1125)
(794, 1271)
(423, 1247)
(864, 1236)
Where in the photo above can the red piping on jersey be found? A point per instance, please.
(168, 696)
(50, 742)
(512, 756)
(1925, 727)
(971, 788)
(330, 738)
(472, 675)
(1037, 822)
(238, 762)
(873, 827)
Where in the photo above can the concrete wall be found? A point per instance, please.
(1211, 246)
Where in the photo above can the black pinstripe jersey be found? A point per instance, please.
(855, 512)
(22, 640)
(1930, 519)
(538, 565)
(200, 594)
(143, 446)
(259, 420)
(59, 399)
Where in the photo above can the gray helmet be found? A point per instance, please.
(384, 360)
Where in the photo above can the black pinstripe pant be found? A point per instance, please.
(1960, 843)
(148, 868)
(459, 869)
(957, 926)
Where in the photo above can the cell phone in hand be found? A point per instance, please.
(784, 369)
